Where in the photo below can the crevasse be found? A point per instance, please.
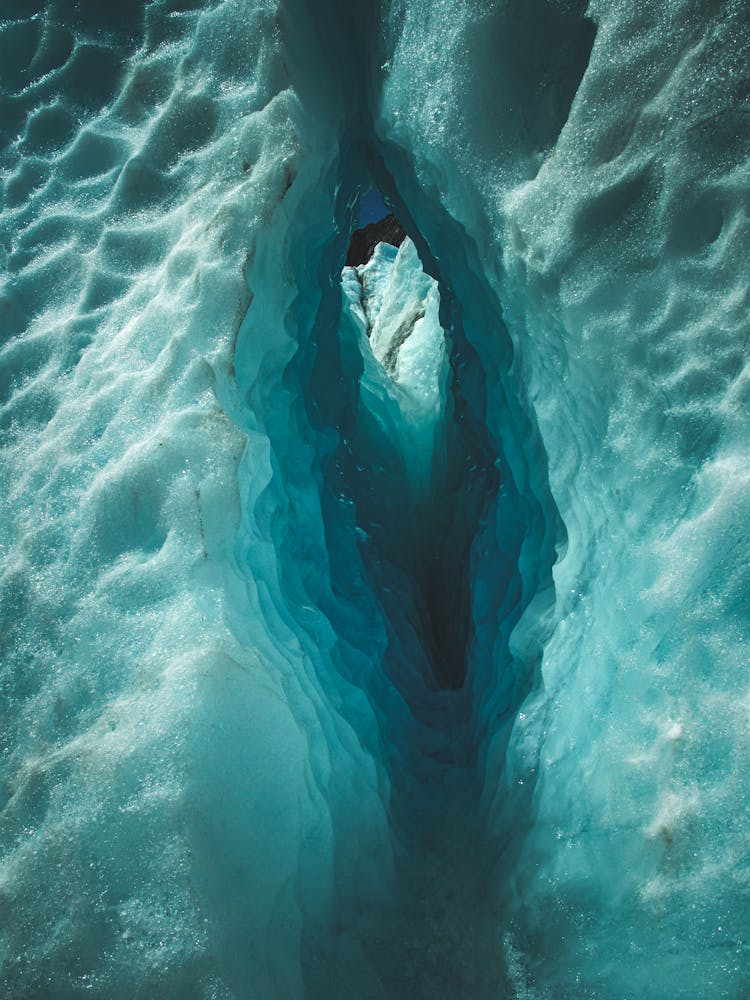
(292, 705)
(403, 557)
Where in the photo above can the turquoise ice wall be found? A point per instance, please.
(230, 766)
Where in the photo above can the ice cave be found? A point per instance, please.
(375, 491)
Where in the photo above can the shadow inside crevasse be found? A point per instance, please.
(432, 534)
(411, 463)
(396, 388)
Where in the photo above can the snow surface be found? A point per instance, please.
(293, 706)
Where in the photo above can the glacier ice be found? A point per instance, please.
(375, 634)
(394, 307)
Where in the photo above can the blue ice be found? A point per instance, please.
(380, 631)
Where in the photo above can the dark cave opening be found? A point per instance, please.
(385, 229)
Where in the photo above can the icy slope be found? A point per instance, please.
(331, 670)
